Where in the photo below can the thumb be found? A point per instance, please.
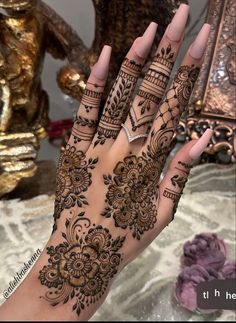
(172, 185)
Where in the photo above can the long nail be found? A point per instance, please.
(201, 144)
(101, 68)
(144, 43)
(198, 47)
(176, 27)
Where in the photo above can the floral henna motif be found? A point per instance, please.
(117, 105)
(81, 267)
(73, 178)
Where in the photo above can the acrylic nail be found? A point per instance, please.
(198, 47)
(201, 144)
(101, 68)
(144, 43)
(176, 28)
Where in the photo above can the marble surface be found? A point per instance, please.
(143, 291)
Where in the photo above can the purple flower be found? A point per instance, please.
(207, 250)
(186, 286)
(229, 271)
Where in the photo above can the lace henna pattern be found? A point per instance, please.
(80, 268)
(73, 179)
(117, 104)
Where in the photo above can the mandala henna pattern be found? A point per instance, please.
(80, 268)
(73, 178)
(117, 104)
(152, 89)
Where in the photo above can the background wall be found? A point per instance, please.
(80, 14)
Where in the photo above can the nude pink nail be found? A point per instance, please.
(198, 47)
(144, 43)
(201, 144)
(176, 27)
(101, 68)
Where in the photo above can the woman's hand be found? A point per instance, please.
(110, 203)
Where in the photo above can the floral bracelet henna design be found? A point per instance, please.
(81, 267)
(73, 178)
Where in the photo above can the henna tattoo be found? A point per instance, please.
(185, 80)
(187, 166)
(91, 99)
(117, 104)
(73, 178)
(175, 197)
(152, 89)
(179, 181)
(78, 131)
(132, 191)
(81, 267)
(176, 98)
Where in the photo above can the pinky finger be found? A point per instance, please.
(86, 120)
(173, 183)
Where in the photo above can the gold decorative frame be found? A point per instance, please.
(214, 95)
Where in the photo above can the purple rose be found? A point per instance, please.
(229, 271)
(206, 249)
(186, 286)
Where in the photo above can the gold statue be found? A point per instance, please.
(29, 29)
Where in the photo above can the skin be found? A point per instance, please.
(110, 203)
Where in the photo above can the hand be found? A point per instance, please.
(110, 203)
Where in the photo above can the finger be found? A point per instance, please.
(117, 104)
(151, 90)
(176, 99)
(173, 183)
(85, 124)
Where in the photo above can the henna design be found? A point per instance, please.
(187, 166)
(73, 178)
(81, 267)
(179, 181)
(91, 99)
(132, 191)
(77, 131)
(152, 89)
(176, 98)
(175, 197)
(117, 104)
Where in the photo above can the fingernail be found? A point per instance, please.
(144, 43)
(198, 47)
(176, 27)
(201, 144)
(101, 68)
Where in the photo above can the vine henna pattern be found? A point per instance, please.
(152, 89)
(78, 131)
(80, 268)
(84, 128)
(117, 104)
(73, 178)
